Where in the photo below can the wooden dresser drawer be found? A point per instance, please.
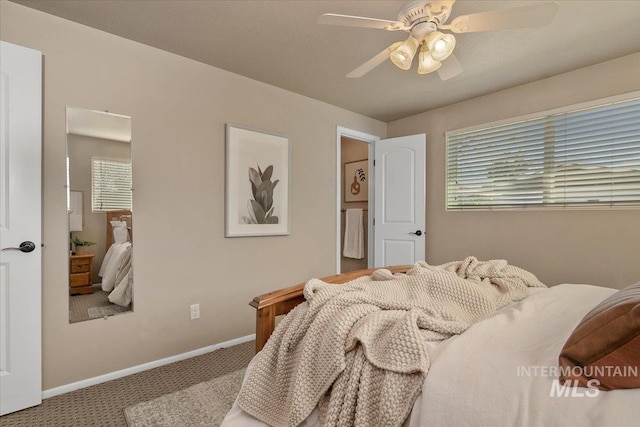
(80, 268)
(80, 279)
(80, 265)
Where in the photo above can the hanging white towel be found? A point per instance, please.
(354, 234)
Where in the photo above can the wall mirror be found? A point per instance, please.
(100, 211)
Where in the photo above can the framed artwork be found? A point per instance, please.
(356, 181)
(257, 183)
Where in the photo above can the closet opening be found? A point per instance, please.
(355, 200)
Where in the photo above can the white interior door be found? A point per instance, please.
(400, 166)
(20, 222)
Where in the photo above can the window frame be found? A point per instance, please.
(93, 198)
(629, 96)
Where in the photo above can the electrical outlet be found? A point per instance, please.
(195, 311)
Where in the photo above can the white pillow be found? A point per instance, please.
(120, 233)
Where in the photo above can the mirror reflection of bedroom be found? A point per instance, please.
(99, 204)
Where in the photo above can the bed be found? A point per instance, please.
(504, 369)
(116, 269)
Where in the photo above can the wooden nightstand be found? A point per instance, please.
(80, 267)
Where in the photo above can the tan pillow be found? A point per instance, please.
(608, 337)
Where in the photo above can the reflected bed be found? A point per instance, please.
(116, 269)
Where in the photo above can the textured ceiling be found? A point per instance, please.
(281, 43)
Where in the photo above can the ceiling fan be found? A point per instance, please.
(423, 19)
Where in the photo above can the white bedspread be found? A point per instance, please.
(496, 372)
(117, 273)
(111, 263)
(122, 290)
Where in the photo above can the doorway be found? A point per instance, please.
(355, 193)
(398, 199)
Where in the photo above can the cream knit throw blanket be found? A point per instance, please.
(357, 350)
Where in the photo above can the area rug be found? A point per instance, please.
(203, 404)
(106, 310)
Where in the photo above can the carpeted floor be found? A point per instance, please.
(103, 404)
(79, 305)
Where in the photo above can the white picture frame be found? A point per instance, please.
(257, 183)
(76, 211)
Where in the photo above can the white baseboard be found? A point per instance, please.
(144, 367)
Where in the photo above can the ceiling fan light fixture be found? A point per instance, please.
(423, 18)
(426, 63)
(403, 55)
(440, 45)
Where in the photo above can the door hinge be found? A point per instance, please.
(374, 221)
(374, 163)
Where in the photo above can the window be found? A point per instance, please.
(110, 184)
(586, 157)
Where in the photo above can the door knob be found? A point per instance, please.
(25, 247)
(417, 233)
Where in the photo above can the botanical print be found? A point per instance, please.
(261, 209)
(260, 205)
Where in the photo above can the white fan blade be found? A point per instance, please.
(450, 68)
(360, 21)
(373, 62)
(535, 15)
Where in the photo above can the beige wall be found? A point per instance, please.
(179, 108)
(576, 246)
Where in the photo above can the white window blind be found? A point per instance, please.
(582, 158)
(110, 184)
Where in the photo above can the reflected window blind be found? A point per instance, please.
(582, 158)
(110, 184)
